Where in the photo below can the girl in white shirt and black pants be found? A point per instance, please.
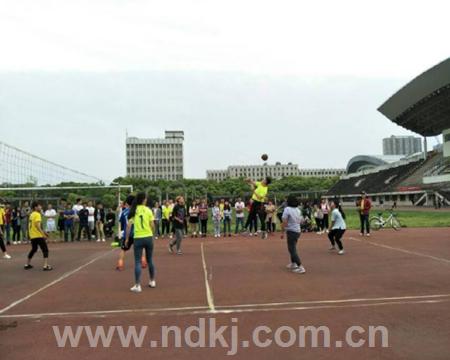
(337, 227)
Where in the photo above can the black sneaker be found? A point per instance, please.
(28, 267)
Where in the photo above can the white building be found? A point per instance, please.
(402, 145)
(276, 171)
(321, 173)
(154, 159)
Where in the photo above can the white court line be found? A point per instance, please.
(209, 294)
(447, 261)
(339, 301)
(321, 307)
(195, 310)
(108, 312)
(61, 278)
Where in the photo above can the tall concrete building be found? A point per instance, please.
(402, 145)
(276, 171)
(155, 159)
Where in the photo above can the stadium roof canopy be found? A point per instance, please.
(423, 105)
(363, 162)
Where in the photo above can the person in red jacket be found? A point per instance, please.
(364, 205)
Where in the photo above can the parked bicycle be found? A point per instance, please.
(378, 222)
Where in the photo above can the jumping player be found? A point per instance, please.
(38, 237)
(260, 192)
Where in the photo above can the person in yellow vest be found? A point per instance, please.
(260, 192)
(37, 236)
(166, 214)
(142, 219)
(2, 232)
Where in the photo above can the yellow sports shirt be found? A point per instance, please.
(142, 221)
(260, 192)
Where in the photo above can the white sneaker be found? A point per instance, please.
(98, 240)
(152, 284)
(299, 270)
(332, 248)
(136, 289)
(251, 234)
(368, 235)
(292, 266)
(341, 252)
(103, 240)
(14, 242)
(6, 256)
(256, 233)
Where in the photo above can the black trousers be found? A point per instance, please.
(2, 244)
(86, 229)
(292, 239)
(38, 242)
(16, 233)
(319, 223)
(255, 212)
(335, 237)
(204, 226)
(325, 222)
(364, 223)
(165, 227)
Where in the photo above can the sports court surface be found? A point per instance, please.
(400, 280)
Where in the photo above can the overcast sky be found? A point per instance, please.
(300, 80)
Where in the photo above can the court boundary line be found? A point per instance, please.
(246, 308)
(409, 252)
(209, 293)
(54, 282)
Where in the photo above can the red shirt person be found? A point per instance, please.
(364, 205)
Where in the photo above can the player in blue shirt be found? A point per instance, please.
(123, 227)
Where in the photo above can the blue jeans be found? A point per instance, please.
(8, 233)
(227, 225)
(216, 227)
(139, 246)
(239, 221)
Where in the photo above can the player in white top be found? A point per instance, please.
(239, 206)
(50, 216)
(91, 218)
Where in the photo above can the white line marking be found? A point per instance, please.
(447, 261)
(297, 308)
(107, 312)
(418, 297)
(195, 310)
(64, 276)
(209, 294)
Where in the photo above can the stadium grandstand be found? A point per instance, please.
(421, 106)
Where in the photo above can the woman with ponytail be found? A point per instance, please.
(142, 220)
